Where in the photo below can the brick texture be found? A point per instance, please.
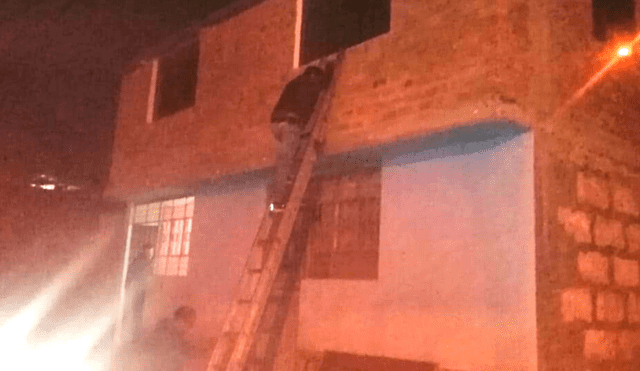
(418, 79)
(593, 267)
(600, 345)
(244, 63)
(633, 237)
(628, 342)
(576, 224)
(625, 202)
(593, 191)
(577, 305)
(607, 232)
(625, 272)
(633, 308)
(609, 307)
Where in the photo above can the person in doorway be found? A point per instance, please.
(138, 276)
(289, 121)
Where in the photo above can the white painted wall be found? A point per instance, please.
(457, 266)
(225, 222)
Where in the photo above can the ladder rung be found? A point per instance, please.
(271, 329)
(256, 258)
(239, 314)
(264, 242)
(270, 299)
(230, 334)
(248, 285)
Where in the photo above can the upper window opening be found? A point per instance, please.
(613, 16)
(330, 25)
(177, 80)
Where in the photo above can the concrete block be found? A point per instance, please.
(625, 202)
(576, 224)
(633, 308)
(628, 342)
(593, 267)
(577, 305)
(593, 191)
(600, 345)
(625, 272)
(608, 232)
(609, 307)
(633, 237)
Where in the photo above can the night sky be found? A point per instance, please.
(60, 67)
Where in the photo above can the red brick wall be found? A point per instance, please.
(442, 64)
(242, 68)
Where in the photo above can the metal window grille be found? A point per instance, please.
(174, 221)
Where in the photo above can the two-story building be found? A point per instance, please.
(477, 205)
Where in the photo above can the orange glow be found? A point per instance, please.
(624, 51)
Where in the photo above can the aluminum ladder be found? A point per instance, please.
(268, 249)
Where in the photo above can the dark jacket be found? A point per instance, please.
(139, 270)
(298, 100)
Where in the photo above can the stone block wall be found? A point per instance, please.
(589, 264)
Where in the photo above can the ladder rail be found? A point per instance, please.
(239, 356)
(277, 242)
(218, 352)
(285, 227)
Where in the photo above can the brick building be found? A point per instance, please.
(474, 209)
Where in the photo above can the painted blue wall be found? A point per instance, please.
(456, 272)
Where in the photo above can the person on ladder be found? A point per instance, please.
(289, 121)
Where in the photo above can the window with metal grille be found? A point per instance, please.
(345, 226)
(176, 81)
(171, 222)
(613, 16)
(331, 25)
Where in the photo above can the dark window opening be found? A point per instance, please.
(345, 227)
(330, 25)
(177, 80)
(613, 16)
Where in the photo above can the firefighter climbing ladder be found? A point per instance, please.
(267, 252)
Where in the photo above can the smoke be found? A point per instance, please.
(75, 343)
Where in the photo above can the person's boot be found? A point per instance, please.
(276, 207)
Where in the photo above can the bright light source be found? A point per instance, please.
(624, 51)
(70, 347)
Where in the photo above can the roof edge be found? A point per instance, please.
(168, 43)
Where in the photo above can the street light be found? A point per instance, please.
(624, 51)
